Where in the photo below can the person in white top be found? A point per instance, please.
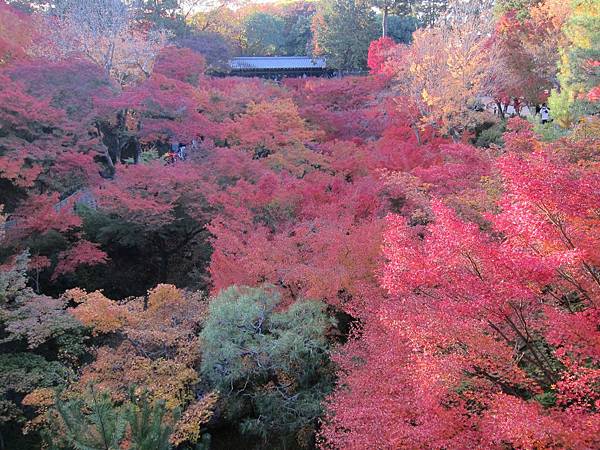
(545, 114)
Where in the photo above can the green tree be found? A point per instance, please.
(147, 422)
(21, 373)
(298, 33)
(264, 34)
(424, 12)
(271, 367)
(344, 30)
(95, 422)
(162, 14)
(520, 7)
(578, 70)
(388, 7)
(142, 256)
(89, 423)
(401, 28)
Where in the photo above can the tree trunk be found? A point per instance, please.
(107, 157)
(118, 151)
(108, 61)
(138, 151)
(121, 134)
(417, 134)
(500, 112)
(384, 22)
(163, 267)
(109, 161)
(454, 135)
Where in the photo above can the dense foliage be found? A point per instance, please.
(334, 263)
(273, 367)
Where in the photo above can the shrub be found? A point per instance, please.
(491, 135)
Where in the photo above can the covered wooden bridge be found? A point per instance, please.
(277, 67)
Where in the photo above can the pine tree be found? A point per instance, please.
(146, 420)
(272, 367)
(91, 423)
(94, 422)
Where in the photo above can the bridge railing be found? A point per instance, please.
(82, 197)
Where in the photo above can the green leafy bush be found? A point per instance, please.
(490, 135)
(550, 131)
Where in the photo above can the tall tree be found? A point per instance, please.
(579, 63)
(263, 34)
(104, 32)
(343, 31)
(298, 17)
(388, 7)
(442, 74)
(427, 12)
(524, 53)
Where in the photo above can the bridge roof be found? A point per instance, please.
(276, 62)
